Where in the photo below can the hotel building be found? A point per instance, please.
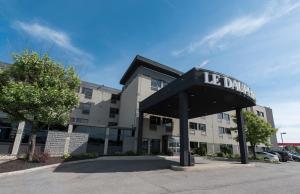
(111, 116)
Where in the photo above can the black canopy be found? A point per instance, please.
(204, 98)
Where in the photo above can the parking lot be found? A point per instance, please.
(154, 176)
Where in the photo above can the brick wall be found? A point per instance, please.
(56, 142)
(78, 143)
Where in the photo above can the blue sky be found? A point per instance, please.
(255, 41)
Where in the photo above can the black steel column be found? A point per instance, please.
(184, 132)
(242, 137)
(140, 133)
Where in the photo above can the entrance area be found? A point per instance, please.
(197, 93)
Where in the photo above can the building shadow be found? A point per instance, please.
(109, 166)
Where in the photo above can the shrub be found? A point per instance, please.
(210, 155)
(220, 154)
(40, 157)
(155, 153)
(66, 156)
(23, 156)
(130, 153)
(82, 156)
(226, 150)
(201, 151)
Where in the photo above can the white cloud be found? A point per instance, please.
(61, 39)
(241, 26)
(205, 62)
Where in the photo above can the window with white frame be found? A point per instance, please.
(221, 130)
(114, 98)
(168, 124)
(113, 112)
(259, 113)
(220, 116)
(228, 131)
(202, 127)
(226, 117)
(193, 125)
(154, 122)
(88, 92)
(85, 108)
(157, 84)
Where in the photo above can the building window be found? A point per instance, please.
(168, 124)
(88, 92)
(220, 116)
(79, 120)
(193, 125)
(113, 112)
(114, 98)
(202, 127)
(228, 131)
(85, 108)
(261, 114)
(193, 145)
(226, 117)
(157, 84)
(221, 130)
(112, 124)
(154, 122)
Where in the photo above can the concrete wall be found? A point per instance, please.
(128, 106)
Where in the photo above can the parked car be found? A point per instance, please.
(295, 156)
(275, 153)
(290, 156)
(284, 155)
(267, 156)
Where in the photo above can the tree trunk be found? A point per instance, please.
(253, 151)
(32, 143)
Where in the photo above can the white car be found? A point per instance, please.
(267, 156)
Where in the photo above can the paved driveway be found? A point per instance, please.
(153, 177)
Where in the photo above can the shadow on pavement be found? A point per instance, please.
(105, 166)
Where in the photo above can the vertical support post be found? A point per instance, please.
(149, 146)
(140, 132)
(242, 137)
(70, 128)
(106, 141)
(184, 133)
(18, 138)
(67, 143)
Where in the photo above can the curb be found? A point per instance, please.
(201, 167)
(5, 174)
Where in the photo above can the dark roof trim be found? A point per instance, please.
(100, 87)
(142, 61)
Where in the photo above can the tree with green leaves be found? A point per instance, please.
(38, 90)
(292, 148)
(257, 130)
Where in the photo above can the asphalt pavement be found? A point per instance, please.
(153, 176)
